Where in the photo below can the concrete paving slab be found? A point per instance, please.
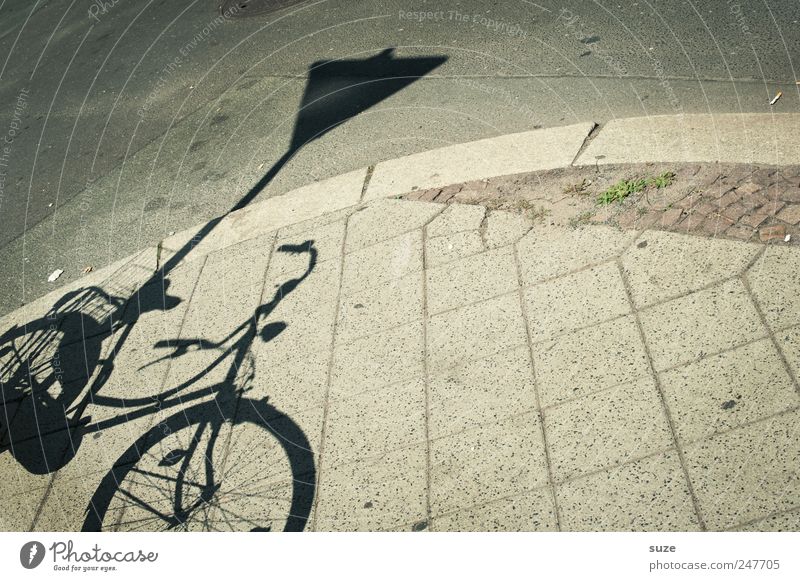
(456, 218)
(474, 331)
(245, 457)
(303, 320)
(140, 368)
(482, 391)
(257, 482)
(700, 324)
(768, 276)
(385, 219)
(64, 507)
(485, 464)
(133, 378)
(532, 511)
(22, 488)
(45, 411)
(19, 510)
(664, 265)
(507, 154)
(444, 249)
(300, 229)
(372, 423)
(222, 306)
(389, 305)
(291, 384)
(728, 390)
(505, 228)
(756, 476)
(373, 495)
(575, 301)
(378, 360)
(77, 481)
(326, 239)
(589, 360)
(378, 264)
(551, 252)
(229, 289)
(605, 429)
(471, 279)
(647, 495)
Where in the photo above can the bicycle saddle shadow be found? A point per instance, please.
(272, 330)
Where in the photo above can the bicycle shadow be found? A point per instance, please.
(172, 476)
(47, 390)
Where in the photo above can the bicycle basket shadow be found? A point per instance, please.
(49, 367)
(233, 462)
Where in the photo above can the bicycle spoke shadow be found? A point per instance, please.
(57, 366)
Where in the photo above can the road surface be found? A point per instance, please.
(124, 120)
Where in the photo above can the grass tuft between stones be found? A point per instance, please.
(625, 188)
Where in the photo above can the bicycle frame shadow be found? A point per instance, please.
(154, 454)
(335, 92)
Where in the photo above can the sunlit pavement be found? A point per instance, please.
(449, 369)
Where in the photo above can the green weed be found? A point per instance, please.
(625, 188)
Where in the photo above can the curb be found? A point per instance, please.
(757, 138)
(763, 139)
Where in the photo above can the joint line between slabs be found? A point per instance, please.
(329, 378)
(660, 390)
(426, 368)
(226, 450)
(770, 333)
(540, 413)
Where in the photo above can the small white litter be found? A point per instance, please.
(788, 238)
(55, 274)
(775, 99)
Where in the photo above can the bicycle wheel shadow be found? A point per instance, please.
(231, 463)
(336, 91)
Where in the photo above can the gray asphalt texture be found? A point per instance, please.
(125, 120)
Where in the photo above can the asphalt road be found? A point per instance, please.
(124, 120)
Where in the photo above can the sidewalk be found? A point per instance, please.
(406, 365)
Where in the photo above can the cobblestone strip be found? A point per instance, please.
(735, 201)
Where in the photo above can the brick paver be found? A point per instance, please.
(741, 202)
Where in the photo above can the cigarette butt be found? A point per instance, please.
(775, 98)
